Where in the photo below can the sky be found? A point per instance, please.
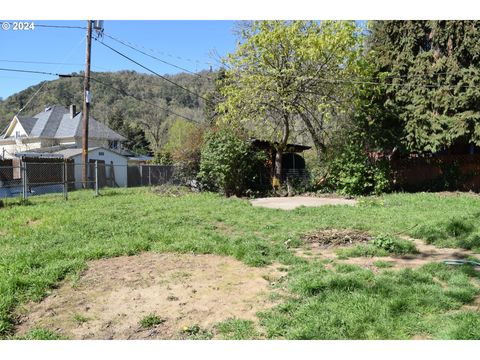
(188, 44)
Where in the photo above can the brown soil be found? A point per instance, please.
(113, 295)
(426, 253)
(33, 222)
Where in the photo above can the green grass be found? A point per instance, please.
(381, 245)
(353, 303)
(463, 231)
(237, 329)
(35, 256)
(40, 334)
(151, 320)
(382, 264)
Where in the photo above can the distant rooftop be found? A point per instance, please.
(56, 122)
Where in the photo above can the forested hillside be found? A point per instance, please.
(115, 102)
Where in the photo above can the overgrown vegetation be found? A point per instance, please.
(229, 163)
(33, 258)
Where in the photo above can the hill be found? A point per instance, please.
(115, 102)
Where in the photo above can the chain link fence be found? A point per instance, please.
(27, 179)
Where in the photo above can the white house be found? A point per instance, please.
(112, 166)
(55, 128)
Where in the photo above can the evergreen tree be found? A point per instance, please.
(430, 99)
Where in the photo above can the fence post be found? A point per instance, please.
(65, 181)
(96, 178)
(149, 175)
(23, 170)
(141, 174)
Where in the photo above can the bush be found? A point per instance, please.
(162, 158)
(351, 172)
(187, 157)
(228, 162)
(394, 245)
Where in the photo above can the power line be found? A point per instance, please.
(104, 84)
(159, 52)
(129, 45)
(32, 71)
(150, 70)
(140, 99)
(47, 63)
(61, 26)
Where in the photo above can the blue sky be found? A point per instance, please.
(188, 44)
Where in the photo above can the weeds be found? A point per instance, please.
(40, 334)
(80, 319)
(195, 332)
(150, 321)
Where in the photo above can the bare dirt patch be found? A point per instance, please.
(290, 203)
(324, 244)
(332, 237)
(33, 222)
(113, 295)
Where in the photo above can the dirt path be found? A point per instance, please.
(427, 253)
(290, 203)
(113, 295)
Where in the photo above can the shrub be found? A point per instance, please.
(394, 245)
(351, 172)
(228, 162)
(187, 156)
(162, 158)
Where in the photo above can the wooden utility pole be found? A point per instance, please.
(86, 107)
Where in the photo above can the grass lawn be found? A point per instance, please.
(50, 239)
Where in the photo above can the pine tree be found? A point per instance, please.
(431, 72)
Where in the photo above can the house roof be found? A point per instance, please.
(27, 123)
(68, 153)
(55, 122)
(72, 152)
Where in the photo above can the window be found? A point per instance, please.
(113, 144)
(101, 153)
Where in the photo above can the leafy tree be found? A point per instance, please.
(431, 96)
(284, 78)
(178, 133)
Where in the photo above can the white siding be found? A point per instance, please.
(119, 162)
(12, 147)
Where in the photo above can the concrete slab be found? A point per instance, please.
(290, 203)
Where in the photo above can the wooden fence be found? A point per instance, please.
(437, 173)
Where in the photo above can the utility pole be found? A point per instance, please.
(86, 107)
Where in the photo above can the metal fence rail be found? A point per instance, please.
(39, 178)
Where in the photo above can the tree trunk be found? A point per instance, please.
(279, 151)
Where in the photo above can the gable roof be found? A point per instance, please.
(27, 123)
(55, 122)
